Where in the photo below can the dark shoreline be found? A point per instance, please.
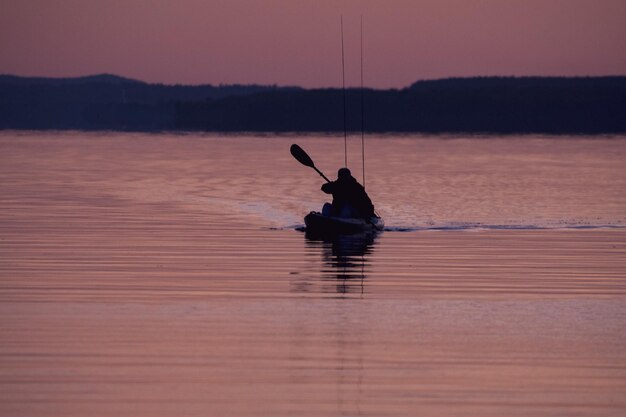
(483, 105)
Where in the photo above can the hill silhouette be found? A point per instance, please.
(98, 78)
(481, 104)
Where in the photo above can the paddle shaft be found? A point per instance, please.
(320, 172)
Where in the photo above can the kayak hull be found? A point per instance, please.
(318, 224)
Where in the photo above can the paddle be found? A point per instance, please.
(304, 159)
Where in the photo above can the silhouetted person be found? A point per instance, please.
(349, 197)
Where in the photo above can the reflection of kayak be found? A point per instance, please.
(318, 224)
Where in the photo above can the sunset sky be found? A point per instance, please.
(297, 42)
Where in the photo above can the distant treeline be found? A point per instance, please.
(484, 104)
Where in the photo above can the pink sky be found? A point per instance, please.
(297, 42)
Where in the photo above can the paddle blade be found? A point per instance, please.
(301, 156)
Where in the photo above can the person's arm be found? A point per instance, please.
(329, 187)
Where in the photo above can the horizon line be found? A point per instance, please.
(135, 80)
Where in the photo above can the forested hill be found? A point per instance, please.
(483, 104)
(107, 88)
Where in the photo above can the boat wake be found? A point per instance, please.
(288, 217)
(472, 226)
(479, 226)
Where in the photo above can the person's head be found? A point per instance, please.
(344, 174)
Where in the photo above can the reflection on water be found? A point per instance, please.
(346, 260)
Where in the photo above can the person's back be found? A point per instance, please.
(349, 197)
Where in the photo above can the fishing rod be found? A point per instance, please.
(345, 128)
(343, 78)
(362, 109)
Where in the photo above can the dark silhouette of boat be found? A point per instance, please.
(319, 225)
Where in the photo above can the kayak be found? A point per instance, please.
(318, 224)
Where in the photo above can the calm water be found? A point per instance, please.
(163, 275)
